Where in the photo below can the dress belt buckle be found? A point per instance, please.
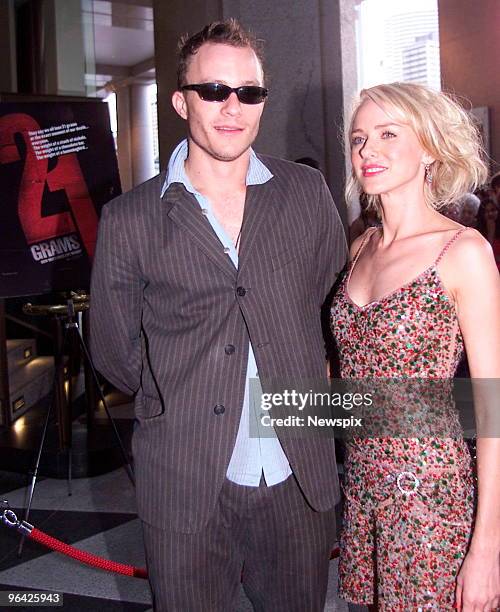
(403, 484)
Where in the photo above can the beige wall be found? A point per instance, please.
(469, 33)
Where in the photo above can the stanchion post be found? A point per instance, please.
(91, 392)
(5, 418)
(61, 407)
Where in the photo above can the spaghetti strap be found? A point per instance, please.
(449, 243)
(367, 237)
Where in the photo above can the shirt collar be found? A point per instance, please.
(257, 173)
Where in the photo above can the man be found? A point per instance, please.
(204, 275)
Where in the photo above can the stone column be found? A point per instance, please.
(141, 132)
(124, 138)
(70, 51)
(62, 55)
(8, 74)
(171, 20)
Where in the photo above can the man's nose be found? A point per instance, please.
(232, 105)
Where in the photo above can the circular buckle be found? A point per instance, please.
(415, 482)
(10, 518)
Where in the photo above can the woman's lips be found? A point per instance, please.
(373, 170)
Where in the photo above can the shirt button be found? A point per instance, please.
(229, 349)
(241, 291)
(219, 409)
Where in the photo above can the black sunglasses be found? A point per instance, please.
(217, 92)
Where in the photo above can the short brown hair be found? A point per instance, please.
(229, 32)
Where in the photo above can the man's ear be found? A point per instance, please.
(179, 103)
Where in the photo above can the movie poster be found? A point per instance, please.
(57, 169)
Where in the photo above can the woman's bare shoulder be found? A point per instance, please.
(470, 244)
(469, 262)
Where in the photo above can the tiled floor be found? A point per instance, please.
(99, 517)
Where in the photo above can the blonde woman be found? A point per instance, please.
(419, 291)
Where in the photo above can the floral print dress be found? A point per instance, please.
(409, 499)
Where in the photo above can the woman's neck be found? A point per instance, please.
(401, 219)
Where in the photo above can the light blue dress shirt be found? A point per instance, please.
(252, 456)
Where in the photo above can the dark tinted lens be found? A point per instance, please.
(217, 92)
(214, 92)
(251, 94)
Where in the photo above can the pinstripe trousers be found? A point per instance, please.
(270, 533)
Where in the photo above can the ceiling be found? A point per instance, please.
(122, 33)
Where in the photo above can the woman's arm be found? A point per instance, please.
(471, 276)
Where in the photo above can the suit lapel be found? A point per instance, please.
(183, 209)
(261, 206)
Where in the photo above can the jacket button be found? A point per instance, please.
(219, 409)
(241, 291)
(229, 349)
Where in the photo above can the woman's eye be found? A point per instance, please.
(357, 140)
(388, 134)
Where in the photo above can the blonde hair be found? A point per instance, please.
(445, 131)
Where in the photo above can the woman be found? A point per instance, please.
(488, 223)
(418, 291)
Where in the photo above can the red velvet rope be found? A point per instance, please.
(85, 557)
(9, 519)
(99, 562)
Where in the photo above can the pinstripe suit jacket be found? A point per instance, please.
(165, 304)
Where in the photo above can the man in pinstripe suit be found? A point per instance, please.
(204, 275)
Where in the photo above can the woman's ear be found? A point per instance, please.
(427, 159)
